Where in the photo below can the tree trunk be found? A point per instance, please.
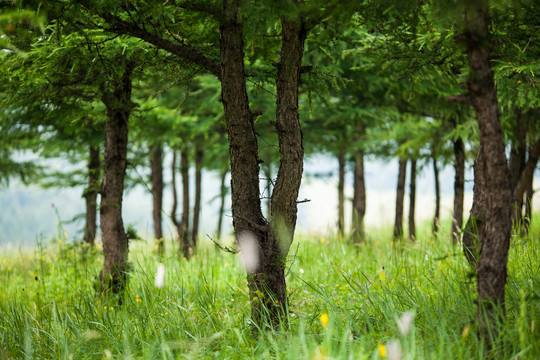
(268, 174)
(400, 195)
(412, 200)
(249, 224)
(222, 193)
(472, 234)
(495, 239)
(115, 242)
(90, 195)
(156, 178)
(359, 198)
(185, 246)
(341, 194)
(528, 206)
(437, 196)
(197, 206)
(459, 190)
(524, 180)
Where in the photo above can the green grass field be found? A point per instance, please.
(345, 303)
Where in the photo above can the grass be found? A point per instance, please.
(48, 307)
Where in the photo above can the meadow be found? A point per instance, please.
(373, 301)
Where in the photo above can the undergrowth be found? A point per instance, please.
(346, 302)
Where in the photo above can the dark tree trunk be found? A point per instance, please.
(359, 198)
(472, 234)
(528, 206)
(495, 238)
(268, 174)
(185, 246)
(248, 220)
(174, 219)
(90, 195)
(524, 180)
(459, 190)
(222, 194)
(412, 201)
(437, 195)
(115, 242)
(156, 178)
(197, 206)
(400, 195)
(341, 193)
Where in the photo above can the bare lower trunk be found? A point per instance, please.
(341, 193)
(528, 206)
(156, 178)
(198, 189)
(412, 200)
(437, 196)
(268, 174)
(90, 195)
(459, 190)
(495, 239)
(400, 195)
(359, 198)
(115, 242)
(477, 217)
(185, 246)
(222, 194)
(525, 178)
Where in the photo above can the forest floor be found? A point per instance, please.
(373, 301)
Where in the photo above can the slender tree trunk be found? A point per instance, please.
(90, 194)
(185, 245)
(525, 178)
(400, 195)
(412, 200)
(197, 206)
(115, 242)
(359, 197)
(222, 194)
(341, 194)
(495, 238)
(475, 227)
(268, 174)
(437, 196)
(174, 208)
(156, 178)
(459, 190)
(528, 206)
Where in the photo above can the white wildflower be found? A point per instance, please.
(405, 323)
(160, 275)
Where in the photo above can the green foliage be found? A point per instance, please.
(48, 307)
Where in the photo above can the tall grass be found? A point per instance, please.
(48, 306)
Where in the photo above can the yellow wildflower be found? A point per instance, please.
(59, 241)
(324, 319)
(382, 350)
(322, 240)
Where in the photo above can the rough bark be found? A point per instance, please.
(156, 179)
(90, 194)
(222, 194)
(185, 245)
(437, 196)
(412, 200)
(248, 220)
(459, 190)
(115, 243)
(400, 195)
(197, 202)
(341, 193)
(359, 198)
(495, 239)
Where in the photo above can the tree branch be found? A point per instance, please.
(188, 52)
(466, 99)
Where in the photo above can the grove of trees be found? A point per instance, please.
(250, 89)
